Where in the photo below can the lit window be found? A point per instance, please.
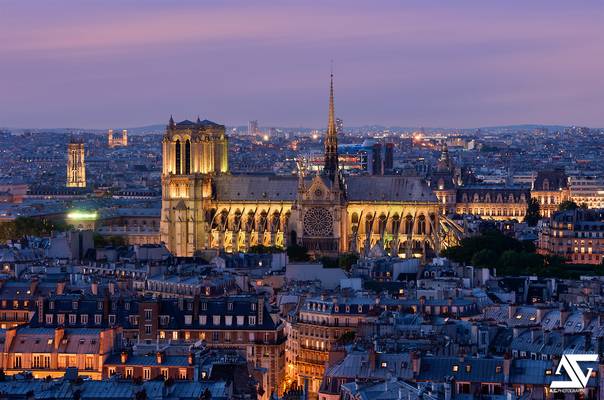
(455, 368)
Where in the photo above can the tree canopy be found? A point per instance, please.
(21, 227)
(533, 213)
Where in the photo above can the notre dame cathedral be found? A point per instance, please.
(205, 206)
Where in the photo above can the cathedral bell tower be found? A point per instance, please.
(193, 152)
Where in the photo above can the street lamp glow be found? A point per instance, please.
(82, 215)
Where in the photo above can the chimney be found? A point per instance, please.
(507, 365)
(260, 310)
(94, 288)
(40, 304)
(511, 311)
(191, 358)
(422, 304)
(159, 356)
(124, 357)
(540, 314)
(601, 375)
(587, 342)
(564, 313)
(447, 386)
(415, 363)
(196, 307)
(566, 338)
(33, 286)
(59, 333)
(60, 287)
(371, 358)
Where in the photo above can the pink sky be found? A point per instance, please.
(407, 63)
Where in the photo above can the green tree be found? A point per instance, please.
(260, 249)
(567, 205)
(532, 212)
(297, 253)
(484, 258)
(347, 260)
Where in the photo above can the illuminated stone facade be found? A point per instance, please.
(113, 141)
(76, 168)
(204, 206)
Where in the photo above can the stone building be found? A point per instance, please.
(204, 206)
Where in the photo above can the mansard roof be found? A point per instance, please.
(485, 191)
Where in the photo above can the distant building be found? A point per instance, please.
(588, 190)
(252, 128)
(205, 207)
(388, 157)
(376, 164)
(51, 351)
(76, 168)
(576, 235)
(112, 141)
(339, 126)
(550, 188)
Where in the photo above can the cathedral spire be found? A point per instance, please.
(331, 139)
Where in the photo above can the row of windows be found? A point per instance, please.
(73, 319)
(42, 361)
(16, 303)
(164, 372)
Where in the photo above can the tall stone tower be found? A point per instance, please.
(110, 138)
(113, 141)
(76, 168)
(193, 152)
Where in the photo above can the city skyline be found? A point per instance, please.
(417, 64)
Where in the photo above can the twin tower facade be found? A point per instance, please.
(206, 207)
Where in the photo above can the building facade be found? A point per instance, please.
(321, 326)
(204, 206)
(76, 168)
(113, 141)
(575, 235)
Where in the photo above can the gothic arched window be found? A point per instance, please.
(177, 148)
(188, 157)
(421, 225)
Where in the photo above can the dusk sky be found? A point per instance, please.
(100, 64)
